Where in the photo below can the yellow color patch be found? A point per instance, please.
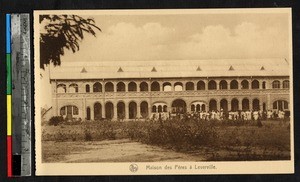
(9, 116)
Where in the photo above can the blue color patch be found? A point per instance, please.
(8, 33)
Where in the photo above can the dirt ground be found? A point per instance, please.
(123, 150)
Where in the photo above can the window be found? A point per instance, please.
(63, 111)
(212, 85)
(255, 84)
(73, 88)
(97, 87)
(75, 110)
(245, 84)
(223, 85)
(87, 88)
(234, 84)
(61, 88)
(276, 84)
(286, 84)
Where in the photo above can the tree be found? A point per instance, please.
(62, 31)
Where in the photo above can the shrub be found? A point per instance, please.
(56, 120)
(176, 134)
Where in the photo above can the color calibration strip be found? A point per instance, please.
(8, 96)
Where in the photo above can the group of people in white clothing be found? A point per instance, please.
(246, 115)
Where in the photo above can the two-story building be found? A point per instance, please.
(135, 89)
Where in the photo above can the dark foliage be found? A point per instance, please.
(62, 31)
(56, 120)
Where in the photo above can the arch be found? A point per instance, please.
(223, 85)
(144, 87)
(200, 85)
(165, 108)
(73, 88)
(144, 109)
(212, 105)
(179, 106)
(224, 105)
(286, 84)
(88, 113)
(280, 105)
(245, 84)
(121, 110)
(189, 86)
(178, 86)
(193, 108)
(63, 111)
(245, 104)
(155, 86)
(212, 85)
(97, 87)
(234, 105)
(234, 84)
(132, 87)
(159, 108)
(203, 108)
(87, 88)
(276, 84)
(154, 108)
(97, 111)
(69, 111)
(121, 87)
(255, 104)
(198, 107)
(61, 88)
(167, 86)
(109, 87)
(109, 110)
(132, 110)
(255, 84)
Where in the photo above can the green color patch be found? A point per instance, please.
(8, 71)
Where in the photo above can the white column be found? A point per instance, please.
(138, 111)
(103, 110)
(92, 113)
(115, 112)
(126, 111)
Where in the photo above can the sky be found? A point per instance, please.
(181, 36)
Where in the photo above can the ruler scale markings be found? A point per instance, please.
(21, 91)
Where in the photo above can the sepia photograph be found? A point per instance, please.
(185, 91)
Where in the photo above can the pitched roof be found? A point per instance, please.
(171, 68)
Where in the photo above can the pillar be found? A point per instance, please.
(92, 113)
(149, 109)
(115, 112)
(126, 86)
(138, 111)
(103, 110)
(229, 105)
(218, 106)
(115, 87)
(83, 109)
(161, 86)
(240, 104)
(126, 110)
(138, 89)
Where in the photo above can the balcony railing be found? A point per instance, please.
(189, 93)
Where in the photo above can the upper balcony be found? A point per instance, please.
(162, 94)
